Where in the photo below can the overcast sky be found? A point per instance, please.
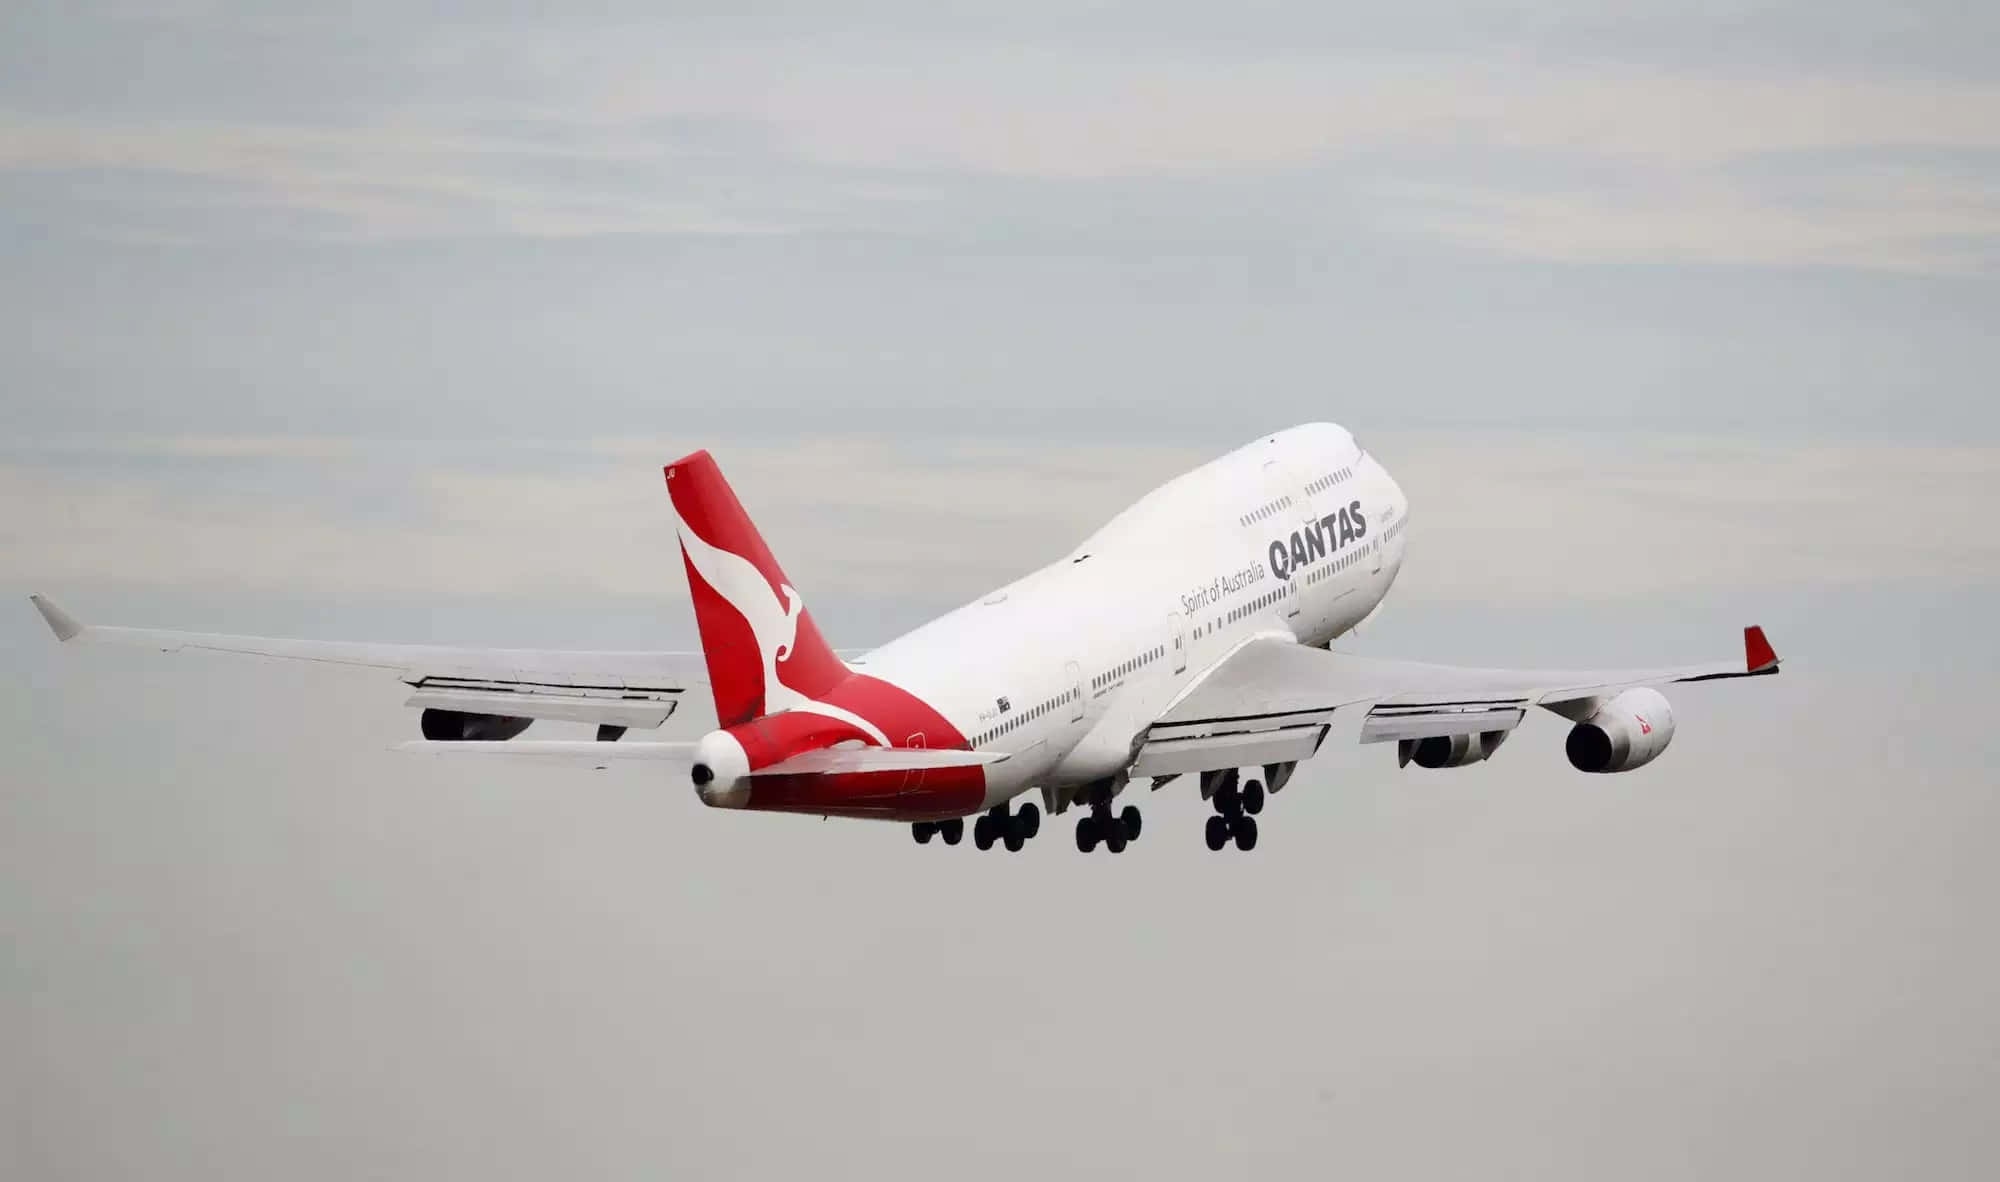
(364, 322)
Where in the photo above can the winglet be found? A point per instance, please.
(64, 625)
(1758, 655)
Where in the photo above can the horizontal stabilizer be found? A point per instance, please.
(583, 752)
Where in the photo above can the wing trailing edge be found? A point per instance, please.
(1274, 697)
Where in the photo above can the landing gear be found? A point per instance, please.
(996, 826)
(1113, 830)
(1227, 800)
(1235, 813)
(951, 831)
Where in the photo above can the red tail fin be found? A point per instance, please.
(764, 652)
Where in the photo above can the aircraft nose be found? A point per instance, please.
(721, 771)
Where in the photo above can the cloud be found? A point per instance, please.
(1918, 222)
(1623, 516)
(1497, 517)
(574, 131)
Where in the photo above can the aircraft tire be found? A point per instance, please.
(1115, 842)
(1253, 797)
(953, 831)
(982, 832)
(1228, 801)
(1130, 822)
(922, 830)
(1245, 832)
(1029, 819)
(1086, 834)
(1218, 832)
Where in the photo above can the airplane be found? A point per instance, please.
(1188, 637)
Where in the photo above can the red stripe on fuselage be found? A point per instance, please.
(903, 718)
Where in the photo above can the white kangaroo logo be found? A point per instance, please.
(775, 627)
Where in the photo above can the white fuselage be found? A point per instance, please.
(1298, 534)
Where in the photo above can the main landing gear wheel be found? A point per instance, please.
(1233, 819)
(1227, 800)
(1018, 829)
(922, 830)
(1112, 830)
(1001, 826)
(951, 830)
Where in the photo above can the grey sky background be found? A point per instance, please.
(379, 324)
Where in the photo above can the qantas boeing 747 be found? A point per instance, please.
(1188, 637)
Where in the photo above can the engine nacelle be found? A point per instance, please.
(1450, 750)
(455, 726)
(1622, 733)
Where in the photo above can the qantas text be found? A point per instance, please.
(1327, 536)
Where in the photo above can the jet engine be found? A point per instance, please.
(1449, 750)
(1621, 733)
(458, 726)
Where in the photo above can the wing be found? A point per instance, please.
(1273, 700)
(618, 689)
(582, 753)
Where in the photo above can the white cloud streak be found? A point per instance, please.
(1496, 518)
(821, 140)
